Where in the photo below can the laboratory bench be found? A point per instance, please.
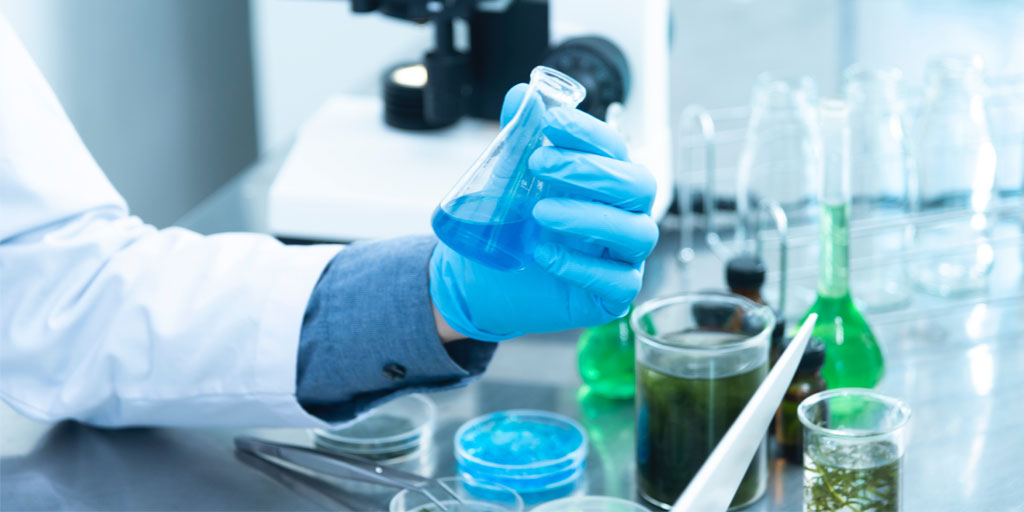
(959, 365)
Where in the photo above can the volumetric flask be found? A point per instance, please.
(853, 450)
(488, 215)
(699, 359)
(780, 158)
(879, 165)
(955, 171)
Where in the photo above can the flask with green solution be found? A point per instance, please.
(606, 359)
(852, 356)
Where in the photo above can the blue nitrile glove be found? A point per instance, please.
(597, 233)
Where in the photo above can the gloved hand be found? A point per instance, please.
(597, 233)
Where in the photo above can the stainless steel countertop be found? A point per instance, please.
(960, 367)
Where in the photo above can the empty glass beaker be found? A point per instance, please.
(779, 159)
(1004, 104)
(488, 214)
(879, 166)
(955, 170)
(699, 359)
(853, 450)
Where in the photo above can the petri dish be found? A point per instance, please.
(538, 454)
(590, 504)
(475, 497)
(391, 432)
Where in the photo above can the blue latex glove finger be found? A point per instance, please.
(615, 182)
(575, 129)
(513, 98)
(614, 282)
(629, 237)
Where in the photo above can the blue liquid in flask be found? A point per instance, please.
(468, 225)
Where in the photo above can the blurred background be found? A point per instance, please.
(174, 97)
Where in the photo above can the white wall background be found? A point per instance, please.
(160, 90)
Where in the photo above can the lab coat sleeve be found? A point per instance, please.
(107, 320)
(370, 315)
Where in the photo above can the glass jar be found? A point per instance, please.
(880, 160)
(955, 170)
(854, 441)
(699, 357)
(779, 159)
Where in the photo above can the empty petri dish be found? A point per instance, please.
(590, 504)
(388, 433)
(472, 496)
(538, 454)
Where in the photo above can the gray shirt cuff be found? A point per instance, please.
(368, 334)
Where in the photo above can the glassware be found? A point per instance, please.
(591, 504)
(606, 360)
(853, 450)
(880, 165)
(699, 359)
(806, 382)
(476, 496)
(540, 455)
(955, 170)
(487, 216)
(852, 356)
(779, 160)
(1004, 104)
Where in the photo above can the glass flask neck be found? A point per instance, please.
(834, 279)
(874, 89)
(954, 76)
(776, 96)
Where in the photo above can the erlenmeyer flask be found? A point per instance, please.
(488, 215)
(879, 166)
(780, 159)
(955, 170)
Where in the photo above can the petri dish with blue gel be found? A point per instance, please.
(541, 455)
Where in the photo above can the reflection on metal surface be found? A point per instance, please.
(980, 360)
(975, 324)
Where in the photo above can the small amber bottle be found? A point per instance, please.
(807, 381)
(745, 275)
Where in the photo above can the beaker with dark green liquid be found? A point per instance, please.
(699, 359)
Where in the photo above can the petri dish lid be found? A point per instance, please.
(401, 424)
(521, 443)
(590, 504)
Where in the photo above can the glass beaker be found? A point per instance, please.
(955, 170)
(779, 159)
(699, 358)
(488, 214)
(880, 165)
(1004, 104)
(853, 450)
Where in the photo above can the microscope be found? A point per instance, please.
(370, 167)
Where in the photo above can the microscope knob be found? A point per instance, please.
(599, 65)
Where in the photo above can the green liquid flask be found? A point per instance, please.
(852, 356)
(606, 359)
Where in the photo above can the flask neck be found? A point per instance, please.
(834, 277)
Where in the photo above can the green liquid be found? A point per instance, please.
(606, 359)
(679, 422)
(849, 479)
(852, 356)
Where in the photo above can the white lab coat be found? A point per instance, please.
(107, 320)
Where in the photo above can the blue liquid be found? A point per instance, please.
(469, 225)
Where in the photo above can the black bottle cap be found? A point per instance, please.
(779, 333)
(745, 272)
(814, 356)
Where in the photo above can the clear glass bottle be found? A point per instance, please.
(955, 170)
(487, 216)
(880, 165)
(852, 356)
(605, 354)
(779, 160)
(1004, 104)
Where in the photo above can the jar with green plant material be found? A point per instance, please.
(699, 358)
(854, 441)
(806, 382)
(605, 358)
